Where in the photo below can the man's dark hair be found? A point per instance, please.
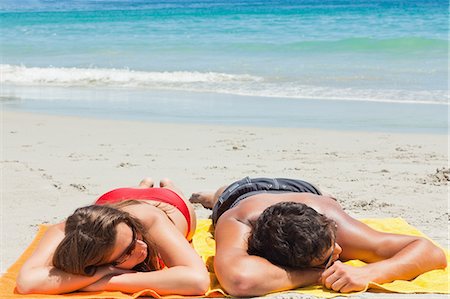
(291, 234)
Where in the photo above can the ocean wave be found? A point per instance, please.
(211, 82)
(108, 77)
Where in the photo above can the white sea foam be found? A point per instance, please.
(238, 84)
(98, 76)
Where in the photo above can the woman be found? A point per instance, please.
(131, 239)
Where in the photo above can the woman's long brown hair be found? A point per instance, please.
(90, 236)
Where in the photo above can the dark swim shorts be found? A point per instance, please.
(246, 187)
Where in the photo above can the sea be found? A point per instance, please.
(371, 65)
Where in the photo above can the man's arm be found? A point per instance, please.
(390, 256)
(244, 275)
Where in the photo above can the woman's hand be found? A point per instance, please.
(107, 271)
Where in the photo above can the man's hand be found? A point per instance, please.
(344, 278)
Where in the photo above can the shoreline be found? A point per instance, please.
(11, 87)
(170, 106)
(54, 164)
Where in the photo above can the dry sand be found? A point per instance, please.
(53, 164)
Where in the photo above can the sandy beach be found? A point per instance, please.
(53, 164)
(351, 96)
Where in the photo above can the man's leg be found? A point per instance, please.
(207, 199)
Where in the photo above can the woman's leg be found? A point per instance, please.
(146, 183)
(168, 184)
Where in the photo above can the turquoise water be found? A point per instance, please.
(362, 51)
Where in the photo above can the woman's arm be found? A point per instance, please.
(185, 272)
(244, 275)
(37, 275)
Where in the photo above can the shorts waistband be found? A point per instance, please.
(247, 187)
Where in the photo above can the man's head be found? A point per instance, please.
(291, 234)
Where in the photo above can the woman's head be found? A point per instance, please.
(130, 249)
(97, 235)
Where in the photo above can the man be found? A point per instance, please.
(279, 234)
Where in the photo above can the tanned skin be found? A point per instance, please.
(185, 272)
(388, 256)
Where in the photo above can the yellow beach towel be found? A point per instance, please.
(436, 281)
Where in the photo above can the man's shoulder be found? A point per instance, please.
(247, 210)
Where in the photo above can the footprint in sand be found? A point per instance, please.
(79, 187)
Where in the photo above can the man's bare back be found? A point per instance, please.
(388, 256)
